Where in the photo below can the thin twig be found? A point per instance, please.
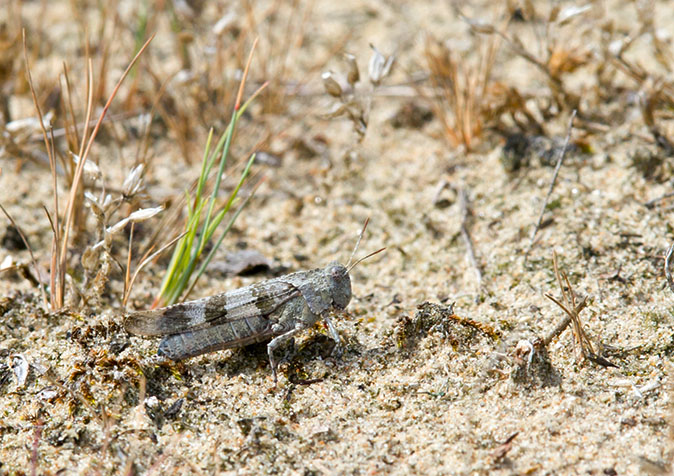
(470, 249)
(668, 272)
(563, 324)
(146, 260)
(53, 256)
(69, 109)
(651, 203)
(127, 272)
(560, 160)
(36, 444)
(38, 275)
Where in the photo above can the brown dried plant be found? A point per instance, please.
(655, 89)
(282, 31)
(465, 102)
(204, 82)
(572, 307)
(62, 229)
(353, 98)
(561, 51)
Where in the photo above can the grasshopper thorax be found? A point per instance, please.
(339, 284)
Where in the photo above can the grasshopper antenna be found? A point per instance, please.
(360, 237)
(349, 268)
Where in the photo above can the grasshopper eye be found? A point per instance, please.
(337, 271)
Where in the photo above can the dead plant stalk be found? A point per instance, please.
(572, 308)
(61, 241)
(560, 161)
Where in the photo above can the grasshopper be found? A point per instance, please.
(276, 309)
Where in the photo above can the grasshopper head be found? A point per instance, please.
(339, 284)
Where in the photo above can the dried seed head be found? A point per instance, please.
(144, 214)
(380, 66)
(139, 215)
(90, 257)
(353, 76)
(479, 26)
(331, 85)
(107, 202)
(554, 13)
(133, 182)
(95, 204)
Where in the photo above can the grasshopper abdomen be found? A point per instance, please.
(223, 336)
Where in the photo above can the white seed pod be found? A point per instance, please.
(380, 66)
(93, 201)
(336, 110)
(133, 182)
(137, 216)
(144, 214)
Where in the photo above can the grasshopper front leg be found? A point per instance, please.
(332, 330)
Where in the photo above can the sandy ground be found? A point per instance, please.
(415, 391)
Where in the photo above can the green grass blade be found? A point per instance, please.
(208, 258)
(201, 226)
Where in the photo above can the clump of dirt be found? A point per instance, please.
(435, 318)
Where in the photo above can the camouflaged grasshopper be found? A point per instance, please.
(276, 309)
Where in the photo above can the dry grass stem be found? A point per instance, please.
(668, 271)
(38, 275)
(560, 161)
(57, 284)
(70, 207)
(465, 234)
(572, 308)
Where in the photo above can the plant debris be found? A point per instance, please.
(433, 318)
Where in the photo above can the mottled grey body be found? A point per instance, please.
(231, 334)
(276, 309)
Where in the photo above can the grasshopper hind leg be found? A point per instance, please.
(332, 330)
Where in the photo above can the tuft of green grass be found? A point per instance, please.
(203, 219)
